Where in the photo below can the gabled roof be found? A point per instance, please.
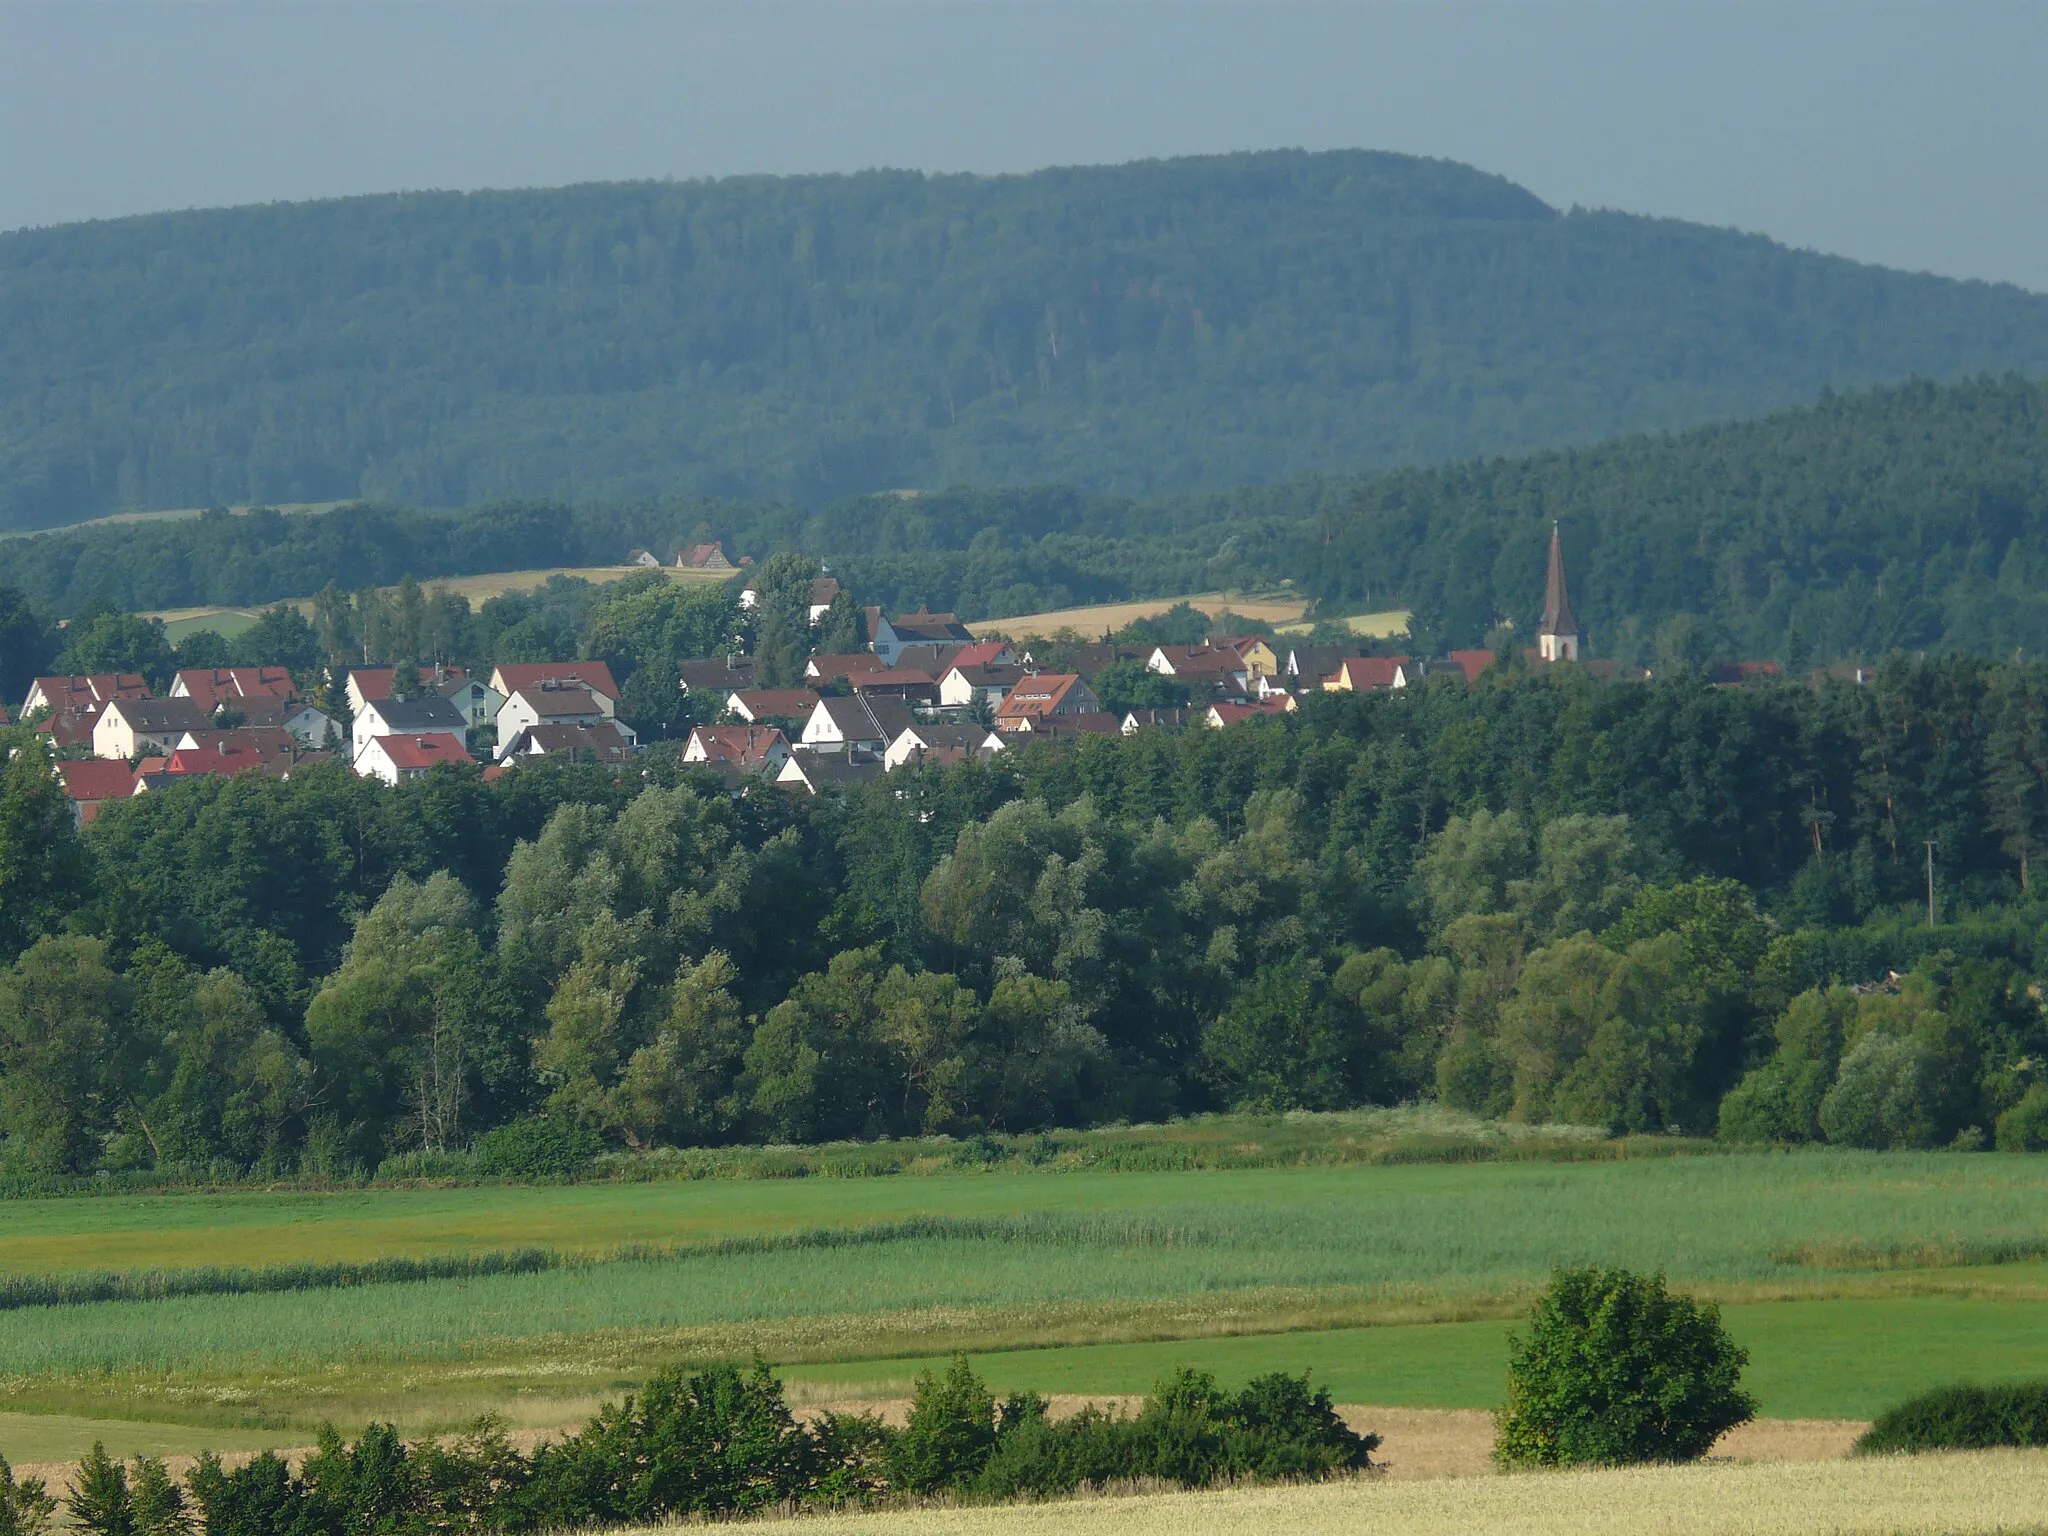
(1039, 694)
(748, 746)
(1471, 663)
(1362, 672)
(411, 751)
(988, 675)
(1091, 722)
(851, 665)
(91, 779)
(511, 677)
(772, 703)
(375, 682)
(983, 653)
(860, 717)
(817, 771)
(212, 687)
(719, 675)
(1136, 720)
(233, 752)
(1195, 660)
(937, 735)
(931, 629)
(704, 557)
(1221, 715)
(157, 715)
(604, 741)
(555, 702)
(63, 694)
(429, 714)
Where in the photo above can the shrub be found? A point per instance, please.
(25, 1506)
(951, 1433)
(1885, 1096)
(99, 1500)
(2024, 1127)
(1616, 1369)
(536, 1148)
(1962, 1418)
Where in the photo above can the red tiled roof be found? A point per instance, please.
(1472, 663)
(983, 653)
(422, 751)
(1370, 671)
(746, 745)
(1233, 714)
(374, 683)
(1036, 695)
(779, 703)
(211, 687)
(92, 779)
(852, 665)
(88, 692)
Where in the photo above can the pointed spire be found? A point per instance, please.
(1557, 604)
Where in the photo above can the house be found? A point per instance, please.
(754, 705)
(129, 727)
(478, 703)
(368, 684)
(397, 758)
(891, 636)
(214, 689)
(586, 741)
(717, 677)
(1042, 696)
(594, 675)
(965, 685)
(266, 749)
(985, 653)
(750, 748)
(906, 685)
(929, 741)
(1471, 663)
(551, 703)
(1254, 653)
(820, 771)
(90, 783)
(854, 723)
(315, 731)
(853, 667)
(1366, 674)
(71, 731)
(824, 590)
(1201, 666)
(704, 557)
(1220, 716)
(1086, 659)
(644, 559)
(82, 695)
(1137, 720)
(406, 717)
(1095, 722)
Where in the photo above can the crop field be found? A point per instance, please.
(1104, 618)
(1854, 1278)
(1951, 1495)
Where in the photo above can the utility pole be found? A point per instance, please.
(1930, 883)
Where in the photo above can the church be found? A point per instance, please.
(1558, 639)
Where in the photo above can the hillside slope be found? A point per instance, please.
(1130, 329)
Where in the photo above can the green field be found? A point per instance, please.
(1854, 1278)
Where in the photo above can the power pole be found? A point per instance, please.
(1930, 883)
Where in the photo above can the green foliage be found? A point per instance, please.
(25, 1505)
(950, 1435)
(1126, 685)
(2024, 1127)
(99, 1504)
(1615, 1369)
(1961, 1418)
(26, 646)
(534, 1148)
(118, 642)
(42, 865)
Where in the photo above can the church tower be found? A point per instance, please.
(1558, 639)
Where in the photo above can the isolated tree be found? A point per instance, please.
(1615, 1369)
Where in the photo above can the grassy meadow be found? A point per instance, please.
(1854, 1278)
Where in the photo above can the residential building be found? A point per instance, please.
(368, 684)
(1471, 663)
(1091, 722)
(89, 783)
(965, 685)
(215, 689)
(891, 636)
(938, 741)
(985, 653)
(1137, 720)
(1042, 696)
(263, 749)
(585, 741)
(1557, 637)
(315, 731)
(478, 702)
(820, 771)
(594, 675)
(823, 590)
(82, 695)
(854, 723)
(1365, 674)
(406, 717)
(754, 705)
(1220, 716)
(751, 748)
(1201, 666)
(129, 727)
(704, 557)
(397, 758)
(645, 559)
(1255, 654)
(718, 677)
(550, 703)
(850, 667)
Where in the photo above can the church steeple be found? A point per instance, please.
(1558, 639)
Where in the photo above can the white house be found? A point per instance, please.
(931, 741)
(551, 704)
(394, 759)
(129, 727)
(406, 717)
(854, 722)
(511, 677)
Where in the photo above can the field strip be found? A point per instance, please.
(1103, 618)
(1950, 1495)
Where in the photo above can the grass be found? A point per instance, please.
(1106, 618)
(27, 1439)
(1953, 1495)
(1377, 626)
(1264, 1266)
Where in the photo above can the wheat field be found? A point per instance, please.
(1948, 1495)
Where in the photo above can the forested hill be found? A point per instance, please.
(1130, 330)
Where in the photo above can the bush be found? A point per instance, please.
(1886, 1096)
(951, 1433)
(536, 1148)
(2024, 1127)
(1615, 1369)
(1962, 1418)
(25, 1506)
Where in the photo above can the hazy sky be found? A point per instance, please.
(1914, 135)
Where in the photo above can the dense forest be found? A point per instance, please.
(1633, 906)
(1913, 517)
(1128, 330)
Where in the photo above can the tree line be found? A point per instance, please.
(1638, 907)
(1909, 518)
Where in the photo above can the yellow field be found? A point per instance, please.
(1104, 618)
(1377, 626)
(173, 514)
(1948, 1495)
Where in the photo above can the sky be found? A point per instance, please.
(1913, 135)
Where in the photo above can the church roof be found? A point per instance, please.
(1557, 603)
